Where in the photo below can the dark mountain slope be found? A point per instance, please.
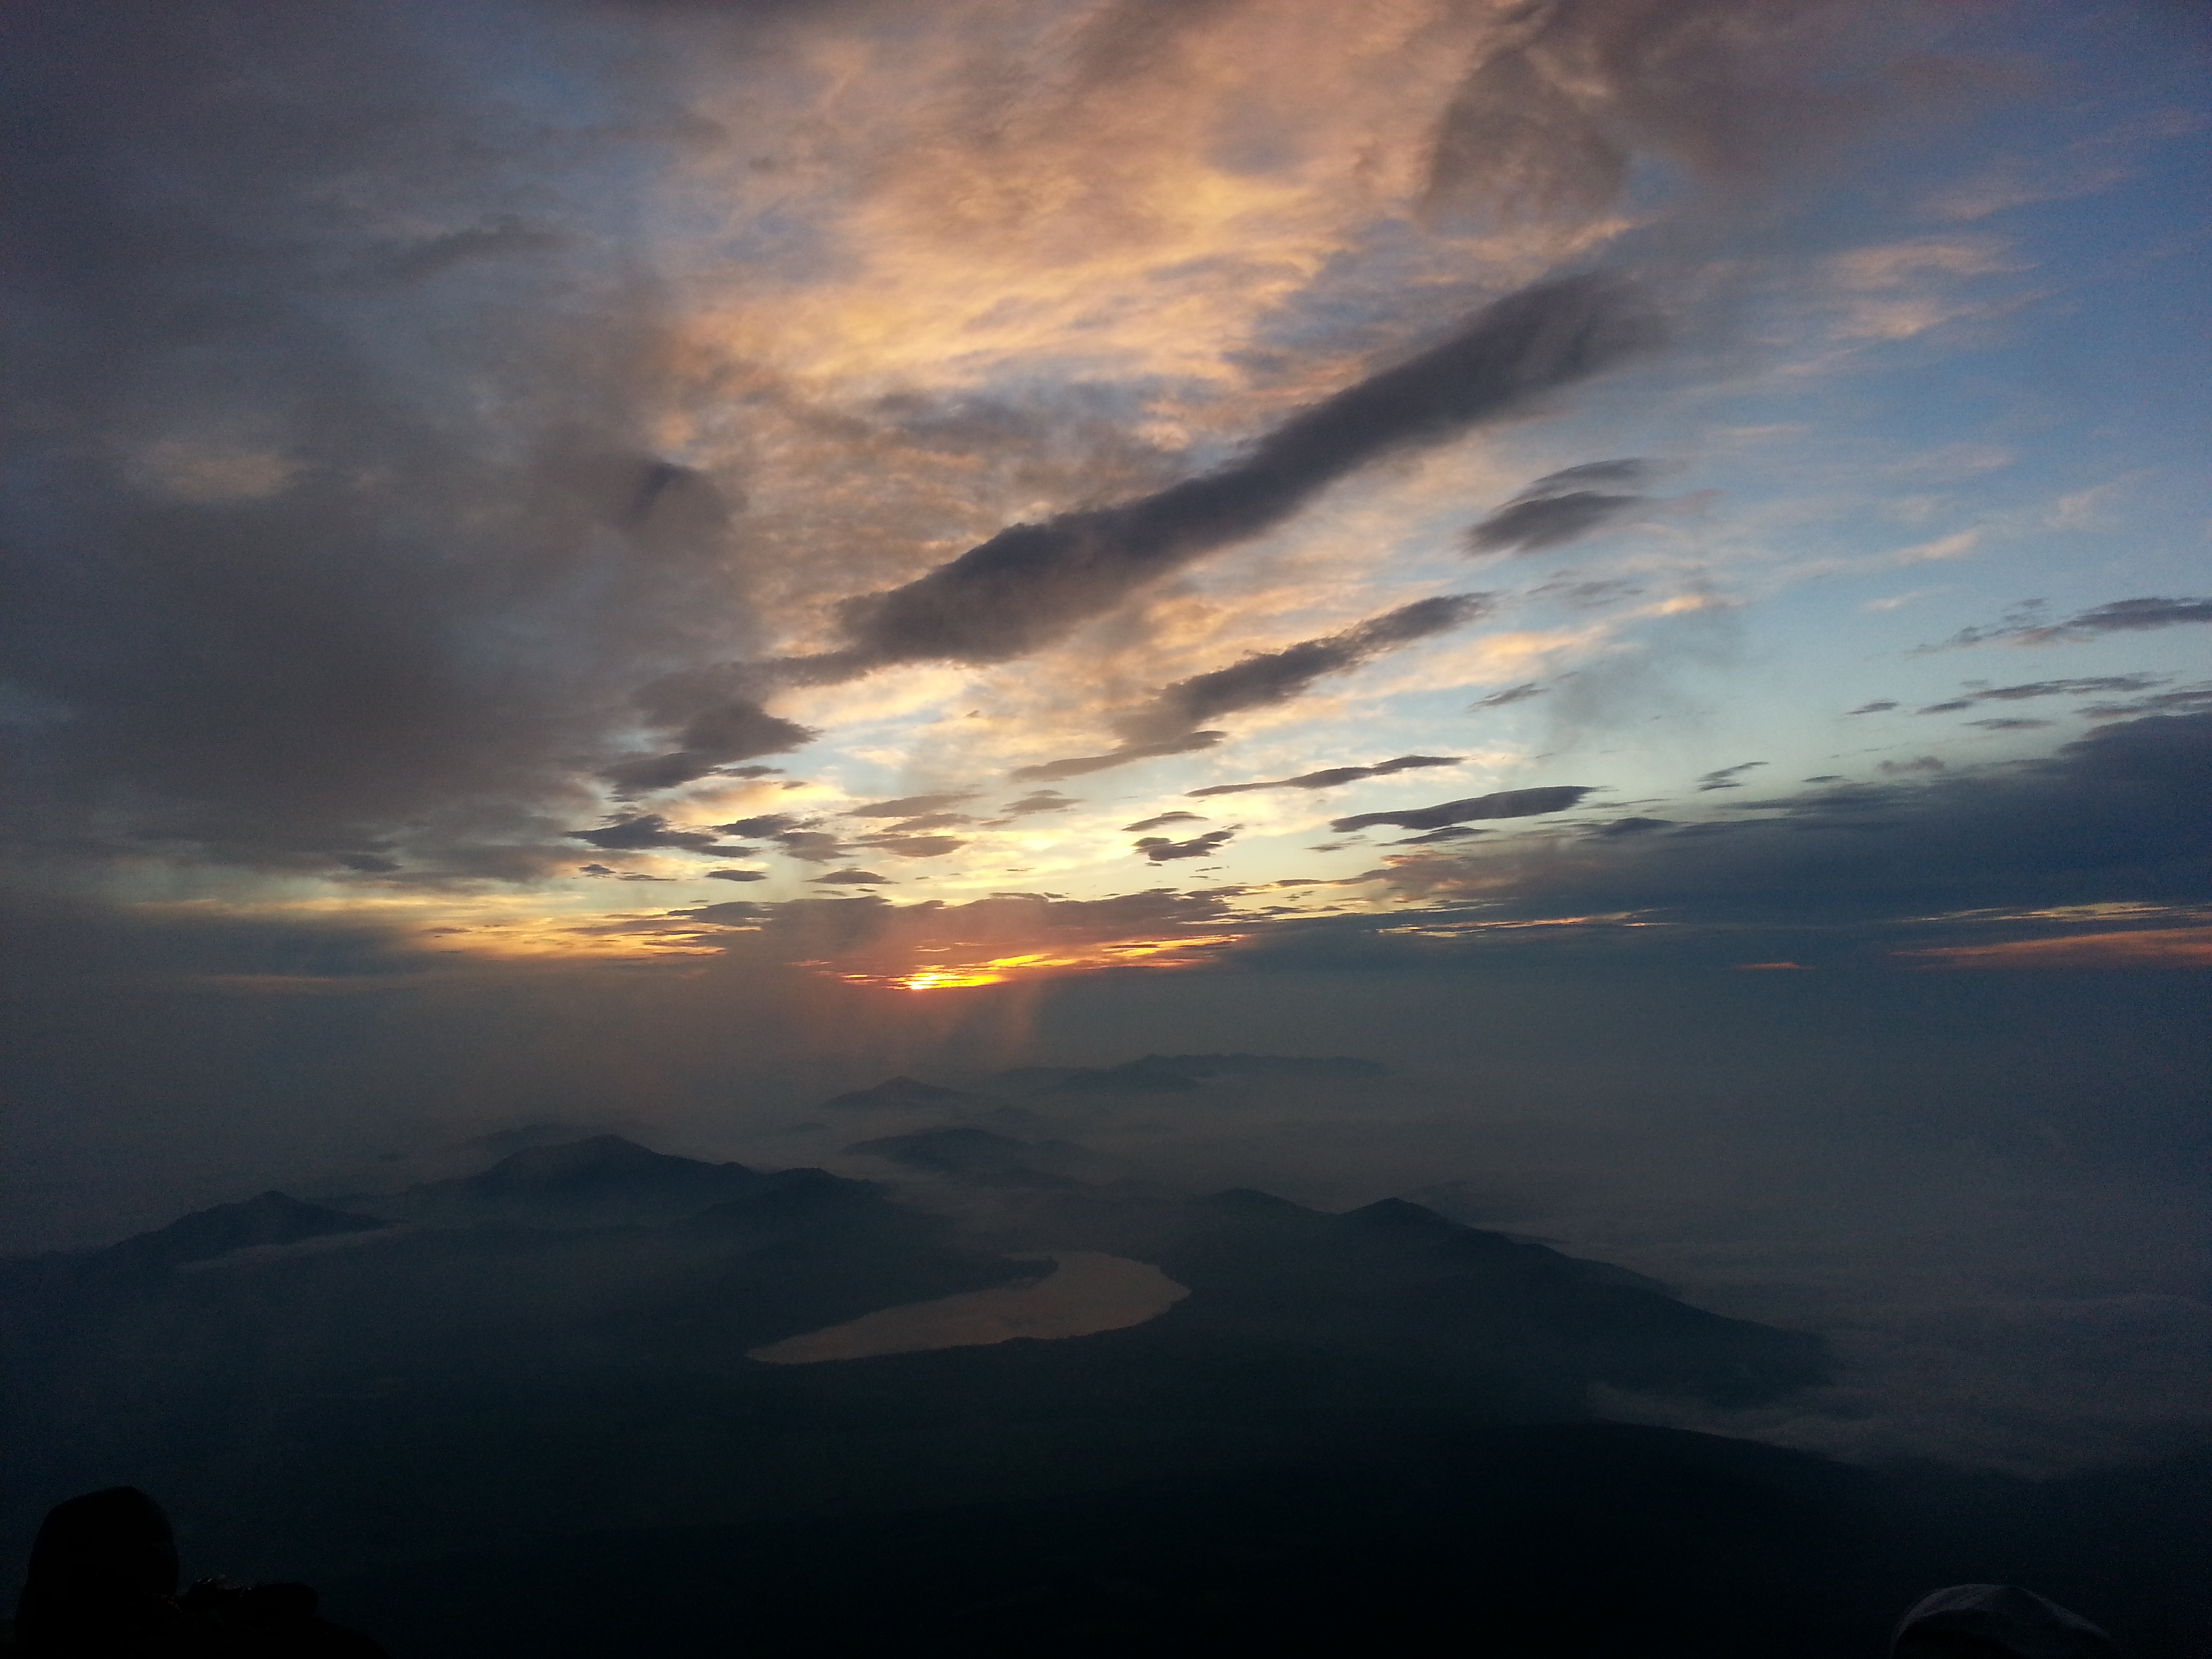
(436, 1386)
(270, 1218)
(1588, 1542)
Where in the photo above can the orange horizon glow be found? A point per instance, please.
(997, 971)
(938, 979)
(2147, 947)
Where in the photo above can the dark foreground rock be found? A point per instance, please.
(1588, 1542)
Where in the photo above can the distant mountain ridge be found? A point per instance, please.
(562, 1346)
(561, 1341)
(271, 1217)
(906, 1094)
(600, 1179)
(1180, 1073)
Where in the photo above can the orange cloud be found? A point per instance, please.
(1007, 936)
(1185, 953)
(2152, 947)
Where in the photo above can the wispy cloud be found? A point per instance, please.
(2025, 624)
(1332, 776)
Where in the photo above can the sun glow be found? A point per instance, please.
(938, 979)
(1188, 952)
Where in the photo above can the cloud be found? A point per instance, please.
(1560, 508)
(1548, 122)
(1551, 521)
(768, 823)
(2141, 947)
(2182, 700)
(1725, 777)
(811, 846)
(1162, 725)
(648, 830)
(852, 878)
(1332, 777)
(1881, 707)
(362, 465)
(2103, 683)
(2013, 184)
(910, 806)
(1505, 804)
(1040, 800)
(737, 729)
(732, 913)
(1512, 693)
(1266, 678)
(1588, 595)
(1435, 836)
(1155, 822)
(1898, 290)
(869, 938)
(736, 875)
(2116, 815)
(1034, 583)
(1628, 470)
(1979, 691)
(1079, 765)
(916, 846)
(1160, 850)
(2023, 625)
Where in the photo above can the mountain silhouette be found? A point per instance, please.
(1159, 1074)
(598, 1180)
(906, 1094)
(560, 1347)
(561, 1343)
(273, 1218)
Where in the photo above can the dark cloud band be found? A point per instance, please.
(1505, 804)
(1077, 765)
(1560, 508)
(2025, 626)
(1334, 775)
(1163, 725)
(1030, 584)
(1160, 850)
(1266, 678)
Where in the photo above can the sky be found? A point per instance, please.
(641, 561)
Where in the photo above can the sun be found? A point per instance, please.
(1168, 953)
(945, 979)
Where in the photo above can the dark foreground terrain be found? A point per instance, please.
(1570, 1540)
(522, 1411)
